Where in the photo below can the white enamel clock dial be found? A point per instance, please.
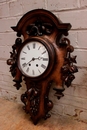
(33, 59)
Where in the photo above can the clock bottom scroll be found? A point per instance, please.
(37, 103)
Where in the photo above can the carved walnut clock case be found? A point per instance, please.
(43, 57)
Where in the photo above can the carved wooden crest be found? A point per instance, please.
(41, 26)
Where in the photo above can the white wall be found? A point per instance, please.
(74, 103)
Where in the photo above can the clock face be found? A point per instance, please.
(33, 59)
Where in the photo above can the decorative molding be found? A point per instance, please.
(48, 29)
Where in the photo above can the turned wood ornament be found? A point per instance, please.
(42, 57)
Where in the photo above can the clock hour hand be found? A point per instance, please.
(39, 58)
(44, 59)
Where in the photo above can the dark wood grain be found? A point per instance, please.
(42, 25)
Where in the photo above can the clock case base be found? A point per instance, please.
(42, 24)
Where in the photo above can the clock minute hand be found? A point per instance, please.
(30, 60)
(39, 58)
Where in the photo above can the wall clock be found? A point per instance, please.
(34, 58)
(43, 57)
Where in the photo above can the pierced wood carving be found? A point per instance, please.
(48, 31)
(39, 28)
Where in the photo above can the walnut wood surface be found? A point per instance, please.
(43, 25)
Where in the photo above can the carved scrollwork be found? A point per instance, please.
(32, 97)
(39, 28)
(34, 100)
(68, 69)
(42, 25)
(13, 63)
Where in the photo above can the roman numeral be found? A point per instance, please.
(28, 47)
(39, 47)
(33, 72)
(43, 66)
(24, 52)
(23, 58)
(24, 64)
(45, 59)
(27, 70)
(44, 52)
(34, 45)
(39, 71)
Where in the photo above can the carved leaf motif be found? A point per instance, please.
(36, 98)
(13, 62)
(39, 28)
(17, 85)
(68, 69)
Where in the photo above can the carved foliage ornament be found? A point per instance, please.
(42, 58)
